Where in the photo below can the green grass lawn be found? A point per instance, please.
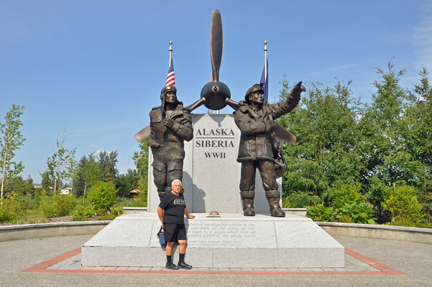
(32, 215)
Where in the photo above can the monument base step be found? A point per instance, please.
(230, 240)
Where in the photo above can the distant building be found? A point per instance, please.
(66, 191)
(135, 193)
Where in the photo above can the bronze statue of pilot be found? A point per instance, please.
(170, 126)
(255, 119)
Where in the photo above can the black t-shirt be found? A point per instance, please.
(173, 207)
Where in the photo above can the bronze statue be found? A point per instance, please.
(255, 119)
(259, 145)
(170, 126)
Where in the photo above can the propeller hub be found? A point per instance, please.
(215, 94)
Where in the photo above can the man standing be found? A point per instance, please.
(255, 119)
(170, 126)
(171, 211)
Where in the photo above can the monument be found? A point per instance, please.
(211, 179)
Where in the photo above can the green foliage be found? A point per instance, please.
(346, 218)
(114, 212)
(286, 204)
(141, 200)
(401, 202)
(346, 194)
(107, 165)
(11, 208)
(341, 142)
(357, 212)
(409, 223)
(384, 127)
(83, 213)
(300, 199)
(20, 186)
(140, 159)
(102, 196)
(319, 212)
(61, 165)
(58, 206)
(127, 182)
(325, 124)
(94, 168)
(11, 139)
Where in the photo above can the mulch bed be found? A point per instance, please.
(49, 220)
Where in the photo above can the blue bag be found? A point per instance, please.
(161, 237)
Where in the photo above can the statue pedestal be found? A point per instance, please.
(231, 240)
(211, 173)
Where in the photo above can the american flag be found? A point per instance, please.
(170, 78)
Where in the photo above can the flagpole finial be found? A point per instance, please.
(172, 42)
(170, 47)
(265, 42)
(265, 46)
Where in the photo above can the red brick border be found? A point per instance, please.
(384, 270)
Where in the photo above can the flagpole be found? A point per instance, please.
(265, 61)
(170, 50)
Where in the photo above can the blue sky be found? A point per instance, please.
(94, 69)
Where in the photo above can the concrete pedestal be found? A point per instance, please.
(231, 240)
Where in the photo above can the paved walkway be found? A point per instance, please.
(412, 259)
(354, 264)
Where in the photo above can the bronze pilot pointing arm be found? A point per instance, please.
(255, 119)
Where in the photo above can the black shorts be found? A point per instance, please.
(174, 232)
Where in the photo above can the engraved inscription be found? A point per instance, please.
(221, 234)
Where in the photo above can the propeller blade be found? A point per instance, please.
(216, 42)
(143, 134)
(232, 104)
(284, 134)
(195, 105)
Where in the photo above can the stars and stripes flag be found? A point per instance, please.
(170, 78)
(264, 80)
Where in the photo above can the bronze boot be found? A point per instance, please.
(248, 201)
(275, 209)
(248, 209)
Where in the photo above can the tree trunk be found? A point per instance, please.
(85, 187)
(3, 176)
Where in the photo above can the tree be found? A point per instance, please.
(107, 165)
(90, 172)
(419, 130)
(387, 160)
(62, 163)
(140, 159)
(327, 149)
(11, 140)
(127, 182)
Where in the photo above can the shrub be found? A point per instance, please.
(402, 203)
(59, 206)
(115, 211)
(11, 208)
(285, 203)
(102, 196)
(302, 199)
(83, 213)
(320, 213)
(346, 194)
(409, 223)
(141, 200)
(357, 212)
